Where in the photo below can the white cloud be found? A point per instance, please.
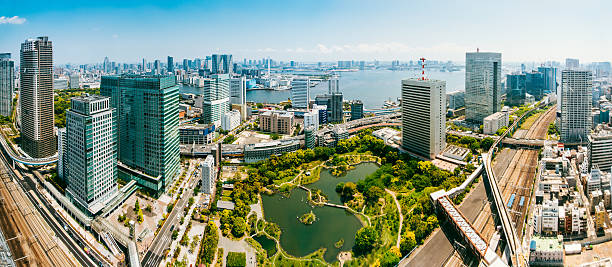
(12, 20)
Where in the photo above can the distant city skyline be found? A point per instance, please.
(310, 31)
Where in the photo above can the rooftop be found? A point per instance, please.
(547, 243)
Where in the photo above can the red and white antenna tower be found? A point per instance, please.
(423, 68)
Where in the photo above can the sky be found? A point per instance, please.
(311, 30)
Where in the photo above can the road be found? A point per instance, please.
(163, 239)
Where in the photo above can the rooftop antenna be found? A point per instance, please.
(423, 68)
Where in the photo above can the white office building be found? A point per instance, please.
(215, 100)
(482, 85)
(209, 175)
(424, 117)
(600, 148)
(576, 100)
(300, 93)
(496, 121)
(312, 119)
(230, 120)
(91, 153)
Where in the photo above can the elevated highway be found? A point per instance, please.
(25, 160)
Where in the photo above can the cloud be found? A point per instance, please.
(12, 20)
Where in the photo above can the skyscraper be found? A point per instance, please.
(482, 85)
(7, 84)
(91, 155)
(157, 67)
(424, 117)
(576, 94)
(550, 79)
(170, 65)
(215, 63)
(535, 84)
(238, 90)
(356, 110)
(215, 100)
(147, 118)
(227, 65)
(300, 93)
(106, 65)
(515, 89)
(336, 110)
(209, 176)
(36, 98)
(333, 85)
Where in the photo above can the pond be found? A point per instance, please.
(269, 245)
(331, 225)
(328, 182)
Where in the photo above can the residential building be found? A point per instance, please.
(300, 93)
(280, 122)
(423, 117)
(322, 111)
(516, 89)
(576, 93)
(356, 110)
(600, 148)
(198, 134)
(7, 84)
(496, 121)
(36, 98)
(215, 100)
(230, 120)
(91, 153)
(261, 151)
(147, 116)
(61, 150)
(482, 85)
(209, 175)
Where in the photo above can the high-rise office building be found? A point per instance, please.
(535, 84)
(482, 85)
(61, 149)
(335, 102)
(215, 101)
(424, 117)
(333, 85)
(156, 67)
(91, 155)
(600, 148)
(516, 89)
(147, 119)
(550, 79)
(238, 90)
(75, 80)
(576, 94)
(572, 63)
(7, 84)
(215, 63)
(226, 64)
(356, 110)
(300, 93)
(106, 65)
(36, 98)
(170, 65)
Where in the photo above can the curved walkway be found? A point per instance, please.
(399, 210)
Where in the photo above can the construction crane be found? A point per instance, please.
(423, 68)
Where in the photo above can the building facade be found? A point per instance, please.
(261, 151)
(280, 122)
(61, 150)
(199, 134)
(311, 119)
(209, 175)
(424, 117)
(237, 90)
(36, 98)
(300, 93)
(482, 85)
(7, 84)
(356, 110)
(576, 94)
(215, 101)
(516, 85)
(91, 154)
(147, 116)
(600, 148)
(230, 120)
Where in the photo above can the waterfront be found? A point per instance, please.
(332, 224)
(373, 87)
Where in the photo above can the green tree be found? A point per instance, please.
(389, 259)
(408, 242)
(373, 194)
(238, 227)
(348, 191)
(174, 234)
(486, 143)
(365, 240)
(136, 206)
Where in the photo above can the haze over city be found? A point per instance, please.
(312, 31)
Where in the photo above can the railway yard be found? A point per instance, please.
(29, 237)
(515, 170)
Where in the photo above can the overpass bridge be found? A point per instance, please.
(25, 160)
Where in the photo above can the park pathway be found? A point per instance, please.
(399, 210)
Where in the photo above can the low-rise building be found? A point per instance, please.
(260, 151)
(495, 121)
(280, 122)
(199, 134)
(546, 251)
(230, 120)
